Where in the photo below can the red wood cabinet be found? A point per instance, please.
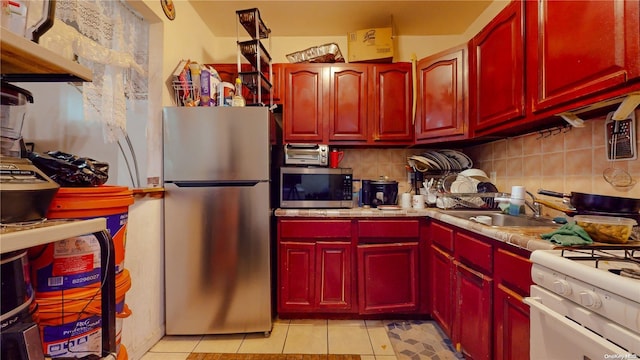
(511, 315)
(497, 70)
(317, 262)
(277, 83)
(443, 110)
(306, 103)
(296, 274)
(477, 287)
(388, 278)
(441, 288)
(391, 114)
(579, 48)
(472, 332)
(348, 102)
(315, 266)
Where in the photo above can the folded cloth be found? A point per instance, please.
(568, 234)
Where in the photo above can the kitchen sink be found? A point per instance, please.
(505, 220)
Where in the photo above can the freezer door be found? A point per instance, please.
(217, 258)
(221, 143)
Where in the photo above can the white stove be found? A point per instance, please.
(585, 304)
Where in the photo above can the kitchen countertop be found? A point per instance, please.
(524, 237)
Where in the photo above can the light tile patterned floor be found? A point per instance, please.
(371, 339)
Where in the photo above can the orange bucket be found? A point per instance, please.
(75, 262)
(70, 321)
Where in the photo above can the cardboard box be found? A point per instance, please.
(371, 45)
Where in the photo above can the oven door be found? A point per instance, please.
(562, 329)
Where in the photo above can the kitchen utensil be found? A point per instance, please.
(488, 187)
(418, 201)
(602, 203)
(405, 200)
(620, 179)
(335, 157)
(573, 212)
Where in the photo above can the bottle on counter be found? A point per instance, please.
(238, 99)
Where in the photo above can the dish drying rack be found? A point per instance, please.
(481, 201)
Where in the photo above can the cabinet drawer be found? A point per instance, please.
(389, 229)
(324, 229)
(475, 253)
(514, 271)
(442, 236)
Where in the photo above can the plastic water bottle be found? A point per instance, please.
(238, 99)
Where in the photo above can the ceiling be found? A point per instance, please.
(336, 18)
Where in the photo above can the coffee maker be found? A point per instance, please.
(379, 192)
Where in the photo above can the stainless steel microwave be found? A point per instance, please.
(316, 187)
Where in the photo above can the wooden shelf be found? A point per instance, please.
(154, 192)
(25, 61)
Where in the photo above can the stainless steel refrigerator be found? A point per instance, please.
(216, 220)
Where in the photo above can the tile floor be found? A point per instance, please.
(368, 339)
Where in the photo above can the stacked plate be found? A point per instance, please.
(440, 160)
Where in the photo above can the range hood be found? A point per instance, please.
(627, 104)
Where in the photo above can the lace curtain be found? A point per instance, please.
(112, 40)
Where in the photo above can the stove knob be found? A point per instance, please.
(561, 287)
(590, 299)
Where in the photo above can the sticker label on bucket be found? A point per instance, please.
(74, 262)
(79, 338)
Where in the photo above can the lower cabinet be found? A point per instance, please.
(315, 277)
(472, 322)
(388, 278)
(441, 280)
(318, 259)
(315, 263)
(477, 287)
(511, 316)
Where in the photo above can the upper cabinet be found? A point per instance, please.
(25, 61)
(391, 115)
(579, 48)
(304, 111)
(348, 104)
(497, 70)
(442, 112)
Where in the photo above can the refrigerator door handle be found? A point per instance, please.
(236, 183)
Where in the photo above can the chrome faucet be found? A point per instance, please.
(534, 205)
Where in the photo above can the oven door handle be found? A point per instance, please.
(534, 302)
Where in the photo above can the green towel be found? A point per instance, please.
(568, 234)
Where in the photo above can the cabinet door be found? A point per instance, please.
(497, 70)
(577, 48)
(304, 106)
(348, 92)
(296, 277)
(511, 325)
(473, 321)
(277, 82)
(443, 99)
(388, 278)
(441, 281)
(392, 110)
(333, 278)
